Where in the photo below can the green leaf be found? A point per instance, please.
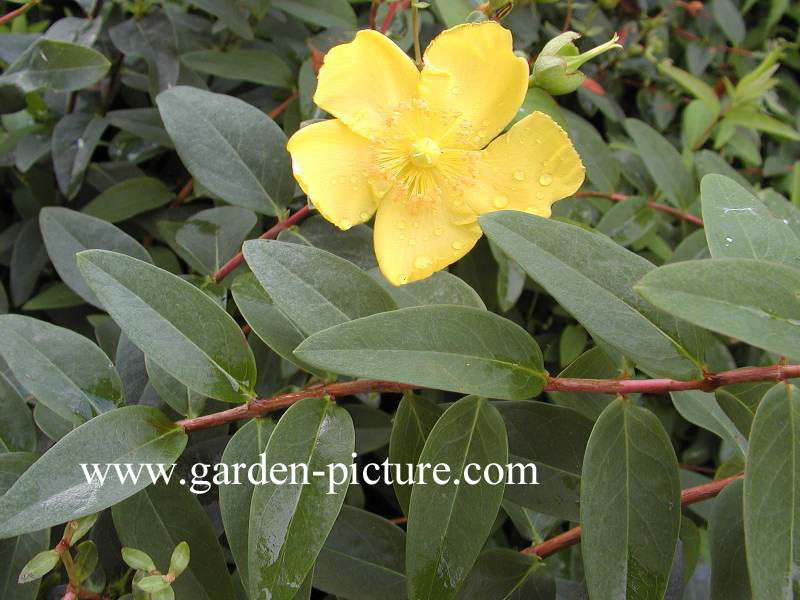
(145, 123)
(592, 277)
(413, 421)
(176, 324)
(553, 438)
(181, 399)
(630, 505)
(664, 163)
(55, 490)
(628, 222)
(451, 348)
(703, 410)
(136, 559)
(56, 65)
(453, 12)
(314, 288)
(230, 147)
(592, 364)
(129, 198)
(325, 13)
(28, 258)
(234, 500)
(156, 519)
(67, 232)
(257, 66)
(16, 552)
(75, 138)
(694, 85)
(601, 168)
(53, 297)
(61, 368)
(363, 558)
(289, 523)
(729, 577)
(209, 238)
(751, 300)
(449, 523)
(17, 432)
(756, 120)
(268, 321)
(354, 245)
(772, 495)
(12, 465)
(503, 574)
(440, 288)
(729, 19)
(231, 14)
(697, 124)
(373, 427)
(738, 225)
(39, 566)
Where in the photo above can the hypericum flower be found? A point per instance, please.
(413, 145)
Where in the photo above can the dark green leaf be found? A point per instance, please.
(630, 505)
(67, 232)
(289, 523)
(257, 66)
(54, 490)
(449, 523)
(772, 495)
(314, 288)
(703, 410)
(156, 519)
(440, 288)
(503, 574)
(177, 325)
(592, 364)
(16, 552)
(325, 13)
(752, 300)
(129, 198)
(452, 348)
(75, 138)
(729, 578)
(61, 368)
(231, 148)
(16, 427)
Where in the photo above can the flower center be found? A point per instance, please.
(424, 153)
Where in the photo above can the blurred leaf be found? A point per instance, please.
(771, 507)
(729, 578)
(230, 147)
(289, 523)
(173, 322)
(325, 13)
(452, 348)
(694, 85)
(449, 523)
(257, 66)
(16, 552)
(601, 168)
(232, 14)
(54, 489)
(729, 19)
(630, 504)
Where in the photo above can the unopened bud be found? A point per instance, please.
(556, 68)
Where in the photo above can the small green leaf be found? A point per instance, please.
(772, 495)
(289, 523)
(55, 488)
(152, 584)
(448, 523)
(452, 348)
(86, 558)
(136, 559)
(181, 328)
(179, 560)
(703, 410)
(630, 505)
(39, 566)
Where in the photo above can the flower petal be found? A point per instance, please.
(528, 168)
(471, 69)
(362, 81)
(413, 242)
(332, 164)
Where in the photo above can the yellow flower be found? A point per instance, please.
(413, 145)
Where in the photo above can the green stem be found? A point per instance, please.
(415, 25)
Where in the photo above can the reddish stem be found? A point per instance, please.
(276, 112)
(387, 19)
(184, 192)
(270, 233)
(18, 11)
(554, 384)
(573, 536)
(654, 205)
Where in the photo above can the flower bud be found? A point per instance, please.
(556, 68)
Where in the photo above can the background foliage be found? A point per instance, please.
(148, 138)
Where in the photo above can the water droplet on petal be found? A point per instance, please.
(458, 245)
(519, 175)
(545, 179)
(341, 180)
(345, 224)
(412, 242)
(540, 195)
(401, 224)
(421, 262)
(500, 201)
(364, 216)
(437, 231)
